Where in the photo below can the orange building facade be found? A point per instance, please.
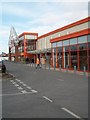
(66, 47)
(27, 42)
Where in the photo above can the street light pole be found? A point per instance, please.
(9, 55)
(16, 51)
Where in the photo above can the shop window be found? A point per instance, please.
(82, 46)
(66, 48)
(89, 46)
(30, 45)
(22, 49)
(89, 61)
(59, 44)
(59, 57)
(54, 56)
(88, 38)
(53, 45)
(82, 39)
(73, 41)
(54, 51)
(67, 60)
(66, 43)
(73, 48)
(59, 49)
(83, 60)
(73, 60)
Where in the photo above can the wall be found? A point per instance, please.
(44, 43)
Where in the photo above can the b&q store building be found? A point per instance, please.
(65, 47)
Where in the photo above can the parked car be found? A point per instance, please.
(2, 67)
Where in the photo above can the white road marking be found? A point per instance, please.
(18, 80)
(14, 94)
(16, 85)
(29, 87)
(47, 99)
(60, 79)
(20, 88)
(76, 116)
(24, 84)
(21, 82)
(13, 82)
(34, 91)
(24, 91)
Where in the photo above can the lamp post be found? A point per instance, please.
(9, 55)
(16, 50)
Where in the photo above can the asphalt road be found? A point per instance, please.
(39, 93)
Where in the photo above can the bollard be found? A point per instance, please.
(49, 66)
(74, 69)
(33, 64)
(54, 66)
(60, 67)
(84, 70)
(66, 68)
(40, 65)
(45, 66)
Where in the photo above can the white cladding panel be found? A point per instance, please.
(48, 44)
(71, 30)
(39, 44)
(30, 37)
(44, 43)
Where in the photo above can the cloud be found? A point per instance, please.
(41, 17)
(56, 19)
(16, 10)
(45, 1)
(4, 37)
(3, 48)
(4, 30)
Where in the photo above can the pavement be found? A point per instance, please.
(42, 93)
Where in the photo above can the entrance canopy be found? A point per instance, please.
(40, 51)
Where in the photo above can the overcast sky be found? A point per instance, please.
(37, 16)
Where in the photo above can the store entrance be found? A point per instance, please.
(74, 59)
(83, 59)
(60, 59)
(66, 60)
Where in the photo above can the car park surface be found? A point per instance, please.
(37, 93)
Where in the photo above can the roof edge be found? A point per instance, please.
(27, 33)
(66, 27)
